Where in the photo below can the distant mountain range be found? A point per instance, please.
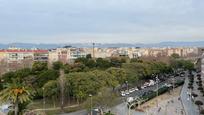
(104, 45)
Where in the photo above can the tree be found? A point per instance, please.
(88, 56)
(39, 66)
(7, 77)
(82, 84)
(194, 95)
(180, 63)
(45, 76)
(102, 63)
(16, 93)
(188, 65)
(136, 60)
(105, 79)
(119, 74)
(78, 67)
(21, 74)
(115, 62)
(90, 63)
(81, 60)
(52, 90)
(175, 55)
(57, 65)
(198, 103)
(67, 68)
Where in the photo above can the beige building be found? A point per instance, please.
(66, 55)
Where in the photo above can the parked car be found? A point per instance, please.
(122, 93)
(127, 92)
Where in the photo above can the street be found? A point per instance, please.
(81, 112)
(189, 107)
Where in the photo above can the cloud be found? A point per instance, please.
(101, 20)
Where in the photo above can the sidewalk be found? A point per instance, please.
(2, 113)
(168, 104)
(168, 107)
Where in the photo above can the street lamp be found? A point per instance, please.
(91, 102)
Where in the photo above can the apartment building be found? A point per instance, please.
(40, 55)
(66, 55)
(18, 58)
(14, 58)
(202, 64)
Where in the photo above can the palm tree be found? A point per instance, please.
(15, 93)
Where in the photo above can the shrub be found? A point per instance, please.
(191, 79)
(190, 87)
(179, 82)
(194, 95)
(198, 103)
(200, 84)
(190, 83)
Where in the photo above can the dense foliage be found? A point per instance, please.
(87, 76)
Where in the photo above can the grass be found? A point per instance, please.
(66, 110)
(50, 109)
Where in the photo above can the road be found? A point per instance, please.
(81, 112)
(154, 87)
(189, 106)
(122, 109)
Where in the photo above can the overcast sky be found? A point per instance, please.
(105, 21)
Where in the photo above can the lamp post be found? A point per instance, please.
(91, 102)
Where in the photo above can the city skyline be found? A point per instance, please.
(121, 21)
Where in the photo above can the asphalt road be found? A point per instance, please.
(81, 112)
(189, 106)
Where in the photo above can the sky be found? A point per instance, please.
(102, 21)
